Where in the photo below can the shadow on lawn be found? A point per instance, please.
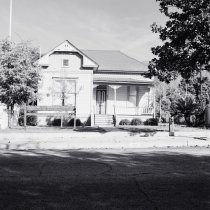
(141, 131)
(91, 129)
(100, 180)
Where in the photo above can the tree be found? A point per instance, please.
(199, 96)
(165, 95)
(186, 40)
(19, 75)
(182, 99)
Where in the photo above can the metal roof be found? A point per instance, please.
(121, 79)
(115, 61)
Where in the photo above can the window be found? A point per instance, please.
(65, 62)
(64, 91)
(132, 96)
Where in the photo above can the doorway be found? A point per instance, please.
(101, 98)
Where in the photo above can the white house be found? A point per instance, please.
(106, 83)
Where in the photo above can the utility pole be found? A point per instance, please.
(10, 21)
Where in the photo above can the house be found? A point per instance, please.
(100, 84)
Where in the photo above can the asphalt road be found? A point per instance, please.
(105, 179)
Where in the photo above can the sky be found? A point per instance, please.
(88, 24)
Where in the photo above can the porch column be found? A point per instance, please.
(93, 108)
(115, 87)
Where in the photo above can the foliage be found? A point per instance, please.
(136, 121)
(78, 122)
(88, 122)
(185, 106)
(186, 44)
(19, 75)
(125, 122)
(184, 98)
(151, 121)
(165, 95)
(30, 120)
(114, 120)
(56, 121)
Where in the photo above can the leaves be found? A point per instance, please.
(19, 76)
(183, 98)
(186, 40)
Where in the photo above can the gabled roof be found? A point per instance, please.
(67, 46)
(100, 60)
(115, 61)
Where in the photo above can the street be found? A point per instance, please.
(105, 179)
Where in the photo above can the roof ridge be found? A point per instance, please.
(133, 58)
(101, 50)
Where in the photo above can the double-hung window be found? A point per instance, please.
(64, 92)
(132, 96)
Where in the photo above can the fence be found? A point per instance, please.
(59, 111)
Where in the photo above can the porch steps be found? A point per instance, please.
(104, 120)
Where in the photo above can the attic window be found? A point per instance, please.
(65, 62)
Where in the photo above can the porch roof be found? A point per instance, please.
(121, 79)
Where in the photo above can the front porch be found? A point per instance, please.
(122, 101)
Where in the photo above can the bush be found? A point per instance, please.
(125, 122)
(78, 122)
(114, 120)
(30, 120)
(88, 122)
(56, 121)
(151, 121)
(136, 121)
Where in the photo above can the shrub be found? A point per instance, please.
(78, 122)
(88, 122)
(30, 120)
(136, 121)
(56, 121)
(151, 121)
(125, 122)
(114, 120)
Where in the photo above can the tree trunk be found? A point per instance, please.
(187, 120)
(10, 109)
(160, 110)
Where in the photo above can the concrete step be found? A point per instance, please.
(101, 118)
(104, 120)
(104, 125)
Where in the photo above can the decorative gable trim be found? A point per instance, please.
(67, 46)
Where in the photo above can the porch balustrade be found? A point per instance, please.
(130, 110)
(134, 110)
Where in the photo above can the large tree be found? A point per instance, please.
(19, 74)
(186, 40)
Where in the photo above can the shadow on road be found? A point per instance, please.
(104, 180)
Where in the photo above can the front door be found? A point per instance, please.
(101, 101)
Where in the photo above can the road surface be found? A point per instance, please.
(105, 179)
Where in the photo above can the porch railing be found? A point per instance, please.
(135, 110)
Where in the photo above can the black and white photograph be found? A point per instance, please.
(104, 104)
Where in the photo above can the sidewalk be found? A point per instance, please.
(95, 140)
